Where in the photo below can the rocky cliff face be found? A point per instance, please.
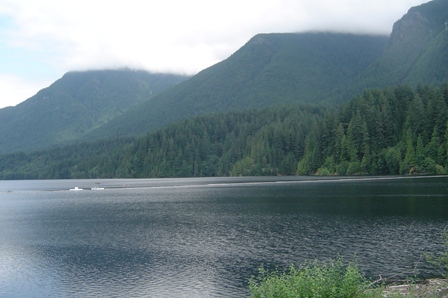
(420, 24)
(416, 50)
(414, 25)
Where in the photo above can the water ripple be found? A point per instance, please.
(206, 241)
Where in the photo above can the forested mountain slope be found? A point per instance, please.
(397, 130)
(389, 131)
(417, 49)
(207, 145)
(76, 104)
(271, 69)
(274, 69)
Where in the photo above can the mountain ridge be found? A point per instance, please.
(413, 36)
(269, 70)
(76, 103)
(254, 76)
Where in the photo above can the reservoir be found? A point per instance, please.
(205, 237)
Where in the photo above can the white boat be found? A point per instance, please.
(75, 189)
(96, 187)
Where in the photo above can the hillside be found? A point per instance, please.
(76, 104)
(271, 69)
(387, 131)
(416, 51)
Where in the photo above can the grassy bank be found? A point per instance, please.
(336, 280)
(332, 279)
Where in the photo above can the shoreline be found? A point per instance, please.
(435, 287)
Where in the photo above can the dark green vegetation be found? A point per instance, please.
(382, 131)
(203, 146)
(331, 280)
(273, 107)
(313, 280)
(334, 279)
(390, 131)
(77, 103)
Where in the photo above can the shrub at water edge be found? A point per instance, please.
(332, 279)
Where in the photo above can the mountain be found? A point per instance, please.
(386, 131)
(76, 104)
(417, 49)
(271, 69)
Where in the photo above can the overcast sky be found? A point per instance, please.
(41, 40)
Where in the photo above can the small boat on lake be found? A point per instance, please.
(76, 189)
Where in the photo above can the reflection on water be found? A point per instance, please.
(206, 237)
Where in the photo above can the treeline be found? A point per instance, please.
(254, 142)
(381, 132)
(389, 131)
(84, 160)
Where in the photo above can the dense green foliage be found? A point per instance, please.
(330, 280)
(390, 131)
(334, 279)
(76, 104)
(383, 131)
(75, 161)
(211, 145)
(266, 142)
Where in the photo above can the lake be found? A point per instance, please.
(205, 237)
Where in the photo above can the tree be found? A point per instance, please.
(339, 143)
(409, 156)
(419, 152)
(416, 117)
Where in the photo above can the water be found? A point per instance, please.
(206, 237)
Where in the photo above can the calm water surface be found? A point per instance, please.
(206, 237)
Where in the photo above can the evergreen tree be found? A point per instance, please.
(410, 155)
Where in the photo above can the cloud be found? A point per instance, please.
(170, 35)
(15, 89)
